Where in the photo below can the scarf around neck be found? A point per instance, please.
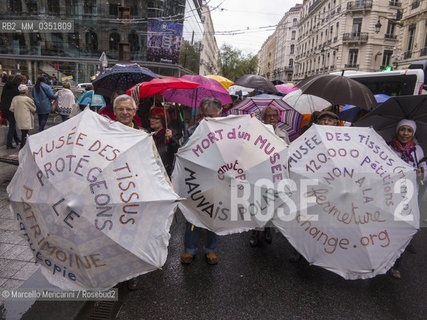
(405, 151)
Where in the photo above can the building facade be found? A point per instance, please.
(120, 28)
(286, 43)
(337, 35)
(210, 52)
(266, 57)
(413, 44)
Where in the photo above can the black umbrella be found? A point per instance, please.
(385, 118)
(339, 90)
(256, 82)
(120, 78)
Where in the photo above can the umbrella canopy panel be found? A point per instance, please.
(221, 169)
(256, 82)
(120, 78)
(226, 83)
(98, 220)
(289, 119)
(339, 90)
(192, 97)
(305, 103)
(356, 201)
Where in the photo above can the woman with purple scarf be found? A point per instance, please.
(406, 147)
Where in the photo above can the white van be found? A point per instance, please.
(392, 83)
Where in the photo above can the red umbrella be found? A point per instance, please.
(146, 89)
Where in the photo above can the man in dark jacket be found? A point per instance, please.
(10, 90)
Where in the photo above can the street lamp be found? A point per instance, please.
(378, 25)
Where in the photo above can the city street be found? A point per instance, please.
(257, 283)
(260, 283)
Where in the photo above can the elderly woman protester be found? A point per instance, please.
(42, 95)
(23, 108)
(270, 116)
(65, 101)
(406, 147)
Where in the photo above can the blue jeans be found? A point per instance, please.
(191, 239)
(11, 133)
(42, 121)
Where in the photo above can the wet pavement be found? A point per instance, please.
(260, 283)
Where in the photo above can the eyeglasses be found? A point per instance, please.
(121, 109)
(271, 115)
(156, 118)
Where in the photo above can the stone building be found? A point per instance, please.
(286, 43)
(266, 57)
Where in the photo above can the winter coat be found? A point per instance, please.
(23, 108)
(42, 98)
(10, 90)
(167, 149)
(65, 101)
(283, 134)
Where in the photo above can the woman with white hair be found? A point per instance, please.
(406, 147)
(24, 109)
(65, 101)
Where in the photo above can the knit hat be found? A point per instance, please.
(22, 88)
(406, 122)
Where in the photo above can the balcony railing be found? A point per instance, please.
(351, 66)
(395, 3)
(407, 55)
(423, 52)
(359, 5)
(390, 36)
(355, 36)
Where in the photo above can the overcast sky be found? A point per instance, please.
(230, 15)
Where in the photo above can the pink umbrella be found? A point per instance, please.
(193, 97)
(286, 88)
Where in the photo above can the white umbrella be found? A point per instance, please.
(220, 170)
(93, 202)
(237, 90)
(305, 103)
(357, 201)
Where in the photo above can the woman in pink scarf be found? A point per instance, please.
(406, 146)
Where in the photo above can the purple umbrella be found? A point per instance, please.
(193, 97)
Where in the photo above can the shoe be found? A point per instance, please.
(211, 258)
(395, 273)
(295, 257)
(10, 147)
(254, 240)
(132, 284)
(267, 235)
(187, 258)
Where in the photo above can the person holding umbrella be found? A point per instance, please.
(209, 108)
(163, 137)
(406, 147)
(270, 116)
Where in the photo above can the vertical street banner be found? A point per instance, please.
(164, 40)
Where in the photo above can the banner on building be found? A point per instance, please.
(164, 40)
